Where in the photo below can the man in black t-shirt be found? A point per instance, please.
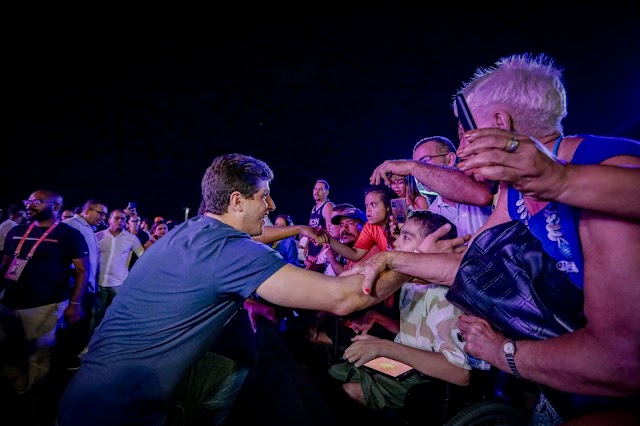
(35, 270)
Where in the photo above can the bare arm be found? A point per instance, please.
(421, 203)
(271, 234)
(371, 318)
(439, 268)
(437, 262)
(298, 288)
(449, 182)
(327, 212)
(352, 253)
(74, 311)
(137, 248)
(434, 364)
(335, 264)
(611, 187)
(602, 358)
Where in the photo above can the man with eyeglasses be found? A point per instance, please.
(433, 165)
(461, 199)
(35, 277)
(438, 151)
(77, 335)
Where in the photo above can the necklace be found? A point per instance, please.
(521, 207)
(553, 226)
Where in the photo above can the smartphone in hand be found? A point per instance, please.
(399, 209)
(464, 114)
(467, 123)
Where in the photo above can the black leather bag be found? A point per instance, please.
(506, 278)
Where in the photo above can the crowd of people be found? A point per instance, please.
(130, 336)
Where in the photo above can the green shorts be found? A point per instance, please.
(379, 390)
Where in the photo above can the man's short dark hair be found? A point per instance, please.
(324, 182)
(229, 173)
(440, 140)
(15, 209)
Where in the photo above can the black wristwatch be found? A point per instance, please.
(509, 349)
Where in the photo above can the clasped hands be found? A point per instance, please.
(379, 262)
(318, 235)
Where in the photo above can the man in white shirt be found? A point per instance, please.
(116, 247)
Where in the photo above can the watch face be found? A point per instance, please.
(509, 348)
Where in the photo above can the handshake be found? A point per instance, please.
(318, 235)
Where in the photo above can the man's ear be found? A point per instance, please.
(451, 159)
(236, 202)
(503, 120)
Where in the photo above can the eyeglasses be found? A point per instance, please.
(428, 158)
(134, 220)
(102, 214)
(36, 203)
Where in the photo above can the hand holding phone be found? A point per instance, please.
(399, 210)
(467, 122)
(390, 368)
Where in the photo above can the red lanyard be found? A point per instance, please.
(35, 246)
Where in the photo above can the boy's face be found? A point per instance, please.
(410, 237)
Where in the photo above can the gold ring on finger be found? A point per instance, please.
(512, 145)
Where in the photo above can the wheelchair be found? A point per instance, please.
(492, 398)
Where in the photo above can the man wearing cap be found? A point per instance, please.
(351, 221)
(327, 261)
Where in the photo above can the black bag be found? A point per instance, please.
(507, 279)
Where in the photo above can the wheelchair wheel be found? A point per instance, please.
(486, 414)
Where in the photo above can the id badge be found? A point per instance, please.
(15, 269)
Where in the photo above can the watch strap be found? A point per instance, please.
(512, 362)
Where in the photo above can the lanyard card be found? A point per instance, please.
(15, 269)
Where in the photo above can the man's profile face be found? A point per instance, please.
(96, 215)
(256, 209)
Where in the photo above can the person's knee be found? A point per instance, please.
(354, 390)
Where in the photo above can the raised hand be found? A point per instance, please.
(518, 160)
(391, 169)
(433, 244)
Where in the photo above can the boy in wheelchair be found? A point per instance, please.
(426, 334)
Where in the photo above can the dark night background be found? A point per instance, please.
(136, 110)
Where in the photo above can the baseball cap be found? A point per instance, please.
(351, 212)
